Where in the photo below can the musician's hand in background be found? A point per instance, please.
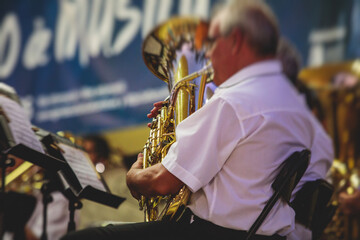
(350, 203)
(155, 111)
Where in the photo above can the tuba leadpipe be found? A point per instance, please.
(202, 72)
(205, 70)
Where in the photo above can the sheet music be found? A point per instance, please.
(19, 124)
(82, 166)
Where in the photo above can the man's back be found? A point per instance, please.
(264, 122)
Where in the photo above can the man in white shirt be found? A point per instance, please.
(228, 152)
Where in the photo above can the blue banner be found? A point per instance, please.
(77, 64)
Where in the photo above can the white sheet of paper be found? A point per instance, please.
(82, 166)
(19, 124)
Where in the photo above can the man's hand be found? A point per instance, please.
(350, 203)
(138, 165)
(155, 111)
(152, 181)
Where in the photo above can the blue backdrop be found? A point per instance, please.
(77, 65)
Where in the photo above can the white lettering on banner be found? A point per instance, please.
(161, 9)
(101, 25)
(35, 49)
(84, 93)
(133, 17)
(82, 37)
(88, 28)
(65, 31)
(195, 7)
(134, 99)
(73, 28)
(157, 11)
(28, 103)
(75, 109)
(10, 41)
(79, 109)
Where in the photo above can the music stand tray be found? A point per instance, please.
(30, 155)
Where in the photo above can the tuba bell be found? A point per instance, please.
(172, 51)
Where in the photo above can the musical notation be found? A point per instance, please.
(19, 124)
(81, 164)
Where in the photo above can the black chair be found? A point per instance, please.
(313, 206)
(291, 171)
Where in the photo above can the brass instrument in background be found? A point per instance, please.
(338, 89)
(26, 177)
(171, 51)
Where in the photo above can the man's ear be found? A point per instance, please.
(238, 39)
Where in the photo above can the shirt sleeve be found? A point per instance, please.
(204, 141)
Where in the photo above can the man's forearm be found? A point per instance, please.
(152, 181)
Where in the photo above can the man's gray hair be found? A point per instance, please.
(255, 19)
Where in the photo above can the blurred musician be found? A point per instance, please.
(99, 151)
(291, 63)
(57, 213)
(350, 203)
(228, 152)
(348, 83)
(290, 60)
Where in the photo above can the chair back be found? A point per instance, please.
(313, 206)
(291, 171)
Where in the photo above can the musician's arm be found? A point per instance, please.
(153, 181)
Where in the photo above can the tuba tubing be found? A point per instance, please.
(169, 52)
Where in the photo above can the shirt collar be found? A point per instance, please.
(267, 67)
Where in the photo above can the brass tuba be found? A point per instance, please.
(171, 51)
(338, 87)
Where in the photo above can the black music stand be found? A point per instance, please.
(9, 151)
(46, 199)
(79, 178)
(18, 140)
(27, 154)
(89, 184)
(72, 187)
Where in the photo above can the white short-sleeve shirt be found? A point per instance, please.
(228, 152)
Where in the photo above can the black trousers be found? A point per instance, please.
(182, 229)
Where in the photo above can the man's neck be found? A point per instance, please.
(253, 59)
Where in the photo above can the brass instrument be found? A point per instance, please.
(339, 95)
(171, 51)
(23, 176)
(26, 177)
